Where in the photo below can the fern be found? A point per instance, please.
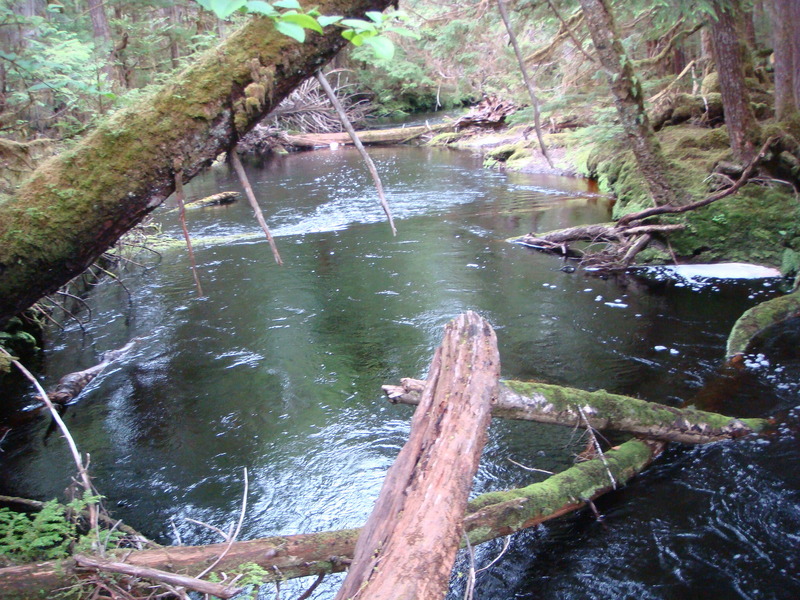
(45, 536)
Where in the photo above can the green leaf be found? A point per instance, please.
(359, 25)
(352, 37)
(225, 8)
(326, 20)
(260, 7)
(383, 46)
(288, 4)
(303, 20)
(293, 30)
(374, 15)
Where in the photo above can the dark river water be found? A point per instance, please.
(278, 369)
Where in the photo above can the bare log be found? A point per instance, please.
(408, 545)
(396, 135)
(545, 403)
(215, 199)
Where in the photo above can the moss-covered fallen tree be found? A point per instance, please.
(76, 205)
(488, 516)
(545, 403)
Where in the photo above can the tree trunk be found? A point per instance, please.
(784, 32)
(729, 51)
(77, 205)
(758, 318)
(627, 91)
(544, 403)
(408, 545)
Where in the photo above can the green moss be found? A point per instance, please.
(445, 138)
(759, 318)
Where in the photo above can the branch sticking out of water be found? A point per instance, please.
(357, 142)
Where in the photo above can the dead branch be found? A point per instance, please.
(191, 583)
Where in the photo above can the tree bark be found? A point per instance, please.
(77, 205)
(408, 545)
(729, 50)
(544, 403)
(629, 101)
(784, 32)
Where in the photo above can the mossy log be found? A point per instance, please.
(755, 320)
(76, 205)
(545, 403)
(416, 526)
(396, 135)
(488, 516)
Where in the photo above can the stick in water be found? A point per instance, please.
(251, 197)
(357, 142)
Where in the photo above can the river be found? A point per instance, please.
(278, 369)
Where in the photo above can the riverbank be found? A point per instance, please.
(758, 224)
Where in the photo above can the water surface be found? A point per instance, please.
(278, 369)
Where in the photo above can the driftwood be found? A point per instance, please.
(490, 113)
(408, 545)
(396, 135)
(71, 385)
(215, 200)
(545, 403)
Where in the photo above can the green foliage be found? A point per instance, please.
(45, 536)
(50, 534)
(250, 576)
(292, 21)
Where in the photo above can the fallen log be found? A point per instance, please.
(396, 135)
(293, 556)
(545, 403)
(417, 523)
(219, 199)
(71, 385)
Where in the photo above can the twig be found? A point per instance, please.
(251, 198)
(235, 533)
(310, 590)
(506, 544)
(191, 583)
(535, 470)
(597, 447)
(359, 146)
(568, 29)
(470, 587)
(182, 212)
(225, 536)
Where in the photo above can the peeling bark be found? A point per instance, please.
(408, 545)
(78, 204)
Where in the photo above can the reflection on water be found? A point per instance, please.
(278, 369)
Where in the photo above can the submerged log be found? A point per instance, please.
(397, 135)
(601, 410)
(408, 545)
(215, 200)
